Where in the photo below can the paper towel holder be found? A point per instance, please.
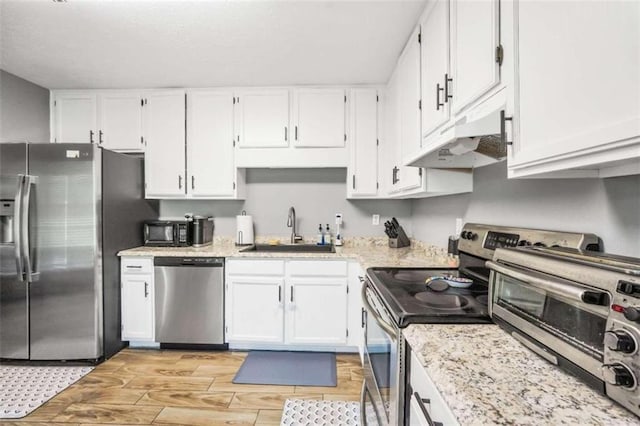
(240, 234)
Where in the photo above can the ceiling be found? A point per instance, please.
(130, 44)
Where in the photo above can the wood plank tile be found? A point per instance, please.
(215, 370)
(341, 397)
(187, 399)
(104, 380)
(266, 401)
(170, 383)
(157, 369)
(201, 416)
(18, 422)
(344, 387)
(269, 418)
(216, 356)
(108, 413)
(225, 384)
(94, 395)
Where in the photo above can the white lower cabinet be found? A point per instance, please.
(426, 406)
(136, 280)
(272, 303)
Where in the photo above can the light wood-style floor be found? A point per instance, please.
(145, 387)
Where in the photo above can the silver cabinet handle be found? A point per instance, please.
(17, 229)
(146, 289)
(438, 90)
(279, 294)
(423, 408)
(503, 127)
(285, 133)
(296, 132)
(100, 133)
(179, 181)
(291, 298)
(193, 182)
(353, 184)
(91, 136)
(447, 80)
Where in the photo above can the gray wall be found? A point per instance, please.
(316, 194)
(24, 110)
(609, 208)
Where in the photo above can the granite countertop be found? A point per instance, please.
(367, 251)
(487, 377)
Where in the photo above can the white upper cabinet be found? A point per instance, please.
(362, 176)
(164, 122)
(263, 118)
(475, 38)
(210, 143)
(576, 96)
(76, 117)
(319, 118)
(435, 67)
(120, 121)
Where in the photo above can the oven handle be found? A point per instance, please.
(362, 408)
(386, 327)
(573, 292)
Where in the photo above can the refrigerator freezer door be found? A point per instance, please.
(66, 300)
(14, 306)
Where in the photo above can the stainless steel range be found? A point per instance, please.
(578, 310)
(396, 297)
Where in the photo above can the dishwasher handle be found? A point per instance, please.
(204, 262)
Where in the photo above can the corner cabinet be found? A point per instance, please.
(137, 298)
(164, 123)
(577, 114)
(276, 304)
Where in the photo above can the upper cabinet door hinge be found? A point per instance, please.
(234, 100)
(377, 98)
(420, 172)
(345, 137)
(141, 102)
(345, 99)
(377, 142)
(499, 54)
(55, 103)
(377, 185)
(420, 104)
(419, 37)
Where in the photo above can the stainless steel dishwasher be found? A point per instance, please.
(189, 301)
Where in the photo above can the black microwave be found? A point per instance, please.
(167, 233)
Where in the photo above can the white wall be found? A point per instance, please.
(610, 208)
(24, 110)
(316, 194)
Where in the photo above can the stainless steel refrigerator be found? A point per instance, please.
(65, 211)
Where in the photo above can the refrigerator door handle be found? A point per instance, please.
(29, 264)
(17, 229)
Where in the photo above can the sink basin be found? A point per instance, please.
(289, 248)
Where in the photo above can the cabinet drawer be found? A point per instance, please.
(422, 384)
(255, 267)
(136, 265)
(302, 268)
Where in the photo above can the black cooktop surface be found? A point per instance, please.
(410, 301)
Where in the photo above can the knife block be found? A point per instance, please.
(401, 241)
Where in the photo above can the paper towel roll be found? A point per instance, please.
(244, 231)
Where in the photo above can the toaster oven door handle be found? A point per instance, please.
(385, 326)
(570, 291)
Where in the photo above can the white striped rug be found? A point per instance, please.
(315, 412)
(25, 388)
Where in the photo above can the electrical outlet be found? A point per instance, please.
(338, 218)
(375, 219)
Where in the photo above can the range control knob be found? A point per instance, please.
(463, 234)
(631, 313)
(618, 375)
(523, 243)
(472, 236)
(539, 244)
(620, 341)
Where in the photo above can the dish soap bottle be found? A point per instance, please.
(327, 236)
(320, 236)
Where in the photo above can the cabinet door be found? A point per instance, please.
(410, 97)
(121, 121)
(363, 169)
(475, 29)
(263, 118)
(435, 67)
(316, 311)
(137, 307)
(210, 152)
(255, 309)
(76, 115)
(568, 100)
(164, 117)
(319, 117)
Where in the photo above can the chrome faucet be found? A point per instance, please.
(291, 223)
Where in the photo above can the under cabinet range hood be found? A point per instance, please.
(474, 140)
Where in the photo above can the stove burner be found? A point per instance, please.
(438, 285)
(442, 301)
(409, 276)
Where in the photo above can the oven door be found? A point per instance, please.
(381, 360)
(564, 316)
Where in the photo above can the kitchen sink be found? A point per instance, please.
(290, 248)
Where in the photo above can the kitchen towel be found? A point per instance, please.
(244, 229)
